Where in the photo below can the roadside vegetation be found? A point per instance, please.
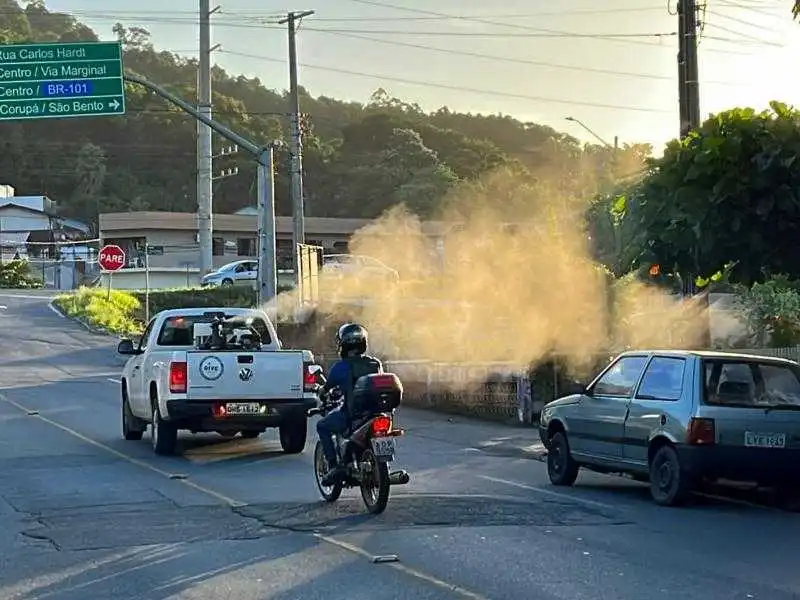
(123, 312)
(113, 312)
(16, 275)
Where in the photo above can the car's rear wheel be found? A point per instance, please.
(293, 435)
(669, 483)
(561, 467)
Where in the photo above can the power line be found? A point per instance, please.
(455, 87)
(509, 59)
(746, 37)
(471, 19)
(262, 23)
(623, 37)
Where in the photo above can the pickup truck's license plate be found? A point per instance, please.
(243, 408)
(764, 440)
(383, 447)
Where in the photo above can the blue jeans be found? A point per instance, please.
(334, 423)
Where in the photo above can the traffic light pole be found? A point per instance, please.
(267, 273)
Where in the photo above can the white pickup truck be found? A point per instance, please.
(171, 382)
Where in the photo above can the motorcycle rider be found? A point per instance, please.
(351, 342)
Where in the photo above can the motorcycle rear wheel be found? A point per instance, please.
(328, 493)
(374, 483)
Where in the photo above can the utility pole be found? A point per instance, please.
(205, 225)
(296, 145)
(689, 93)
(688, 74)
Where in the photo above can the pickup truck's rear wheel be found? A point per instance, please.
(132, 428)
(293, 435)
(164, 435)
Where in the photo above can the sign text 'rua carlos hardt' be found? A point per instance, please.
(61, 80)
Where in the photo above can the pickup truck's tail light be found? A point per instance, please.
(309, 378)
(381, 426)
(702, 432)
(177, 377)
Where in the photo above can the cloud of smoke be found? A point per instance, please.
(504, 276)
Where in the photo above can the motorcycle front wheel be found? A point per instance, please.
(329, 493)
(374, 483)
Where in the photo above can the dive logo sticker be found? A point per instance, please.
(211, 368)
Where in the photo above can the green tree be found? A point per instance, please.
(726, 193)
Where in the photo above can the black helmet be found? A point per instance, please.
(351, 340)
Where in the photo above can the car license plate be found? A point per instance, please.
(764, 440)
(243, 408)
(383, 447)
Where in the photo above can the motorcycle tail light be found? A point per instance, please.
(381, 426)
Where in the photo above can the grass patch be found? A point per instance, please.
(114, 313)
(124, 312)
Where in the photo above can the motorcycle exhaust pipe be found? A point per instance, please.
(399, 478)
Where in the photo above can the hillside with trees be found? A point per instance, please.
(360, 159)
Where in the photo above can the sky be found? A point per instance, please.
(524, 58)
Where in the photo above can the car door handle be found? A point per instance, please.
(135, 368)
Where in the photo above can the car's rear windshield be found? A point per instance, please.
(751, 383)
(178, 330)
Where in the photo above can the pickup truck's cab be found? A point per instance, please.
(170, 384)
(675, 418)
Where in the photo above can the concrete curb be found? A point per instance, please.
(93, 330)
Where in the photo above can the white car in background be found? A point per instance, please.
(352, 264)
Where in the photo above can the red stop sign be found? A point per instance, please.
(111, 258)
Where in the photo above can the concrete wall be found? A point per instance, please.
(160, 278)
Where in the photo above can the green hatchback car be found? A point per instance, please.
(675, 418)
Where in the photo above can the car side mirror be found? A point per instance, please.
(126, 347)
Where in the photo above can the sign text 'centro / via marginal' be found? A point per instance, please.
(61, 80)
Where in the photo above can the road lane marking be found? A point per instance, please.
(130, 459)
(232, 503)
(546, 492)
(435, 581)
(52, 307)
(25, 297)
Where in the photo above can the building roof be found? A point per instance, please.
(154, 220)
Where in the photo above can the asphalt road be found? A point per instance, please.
(85, 515)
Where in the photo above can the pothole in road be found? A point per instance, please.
(427, 511)
(103, 528)
(93, 528)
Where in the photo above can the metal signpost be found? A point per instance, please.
(45, 81)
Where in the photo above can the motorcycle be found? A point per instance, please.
(368, 447)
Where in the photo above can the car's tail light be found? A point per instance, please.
(309, 379)
(381, 426)
(177, 377)
(702, 432)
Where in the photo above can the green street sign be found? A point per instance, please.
(46, 81)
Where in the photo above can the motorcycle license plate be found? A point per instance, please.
(383, 447)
